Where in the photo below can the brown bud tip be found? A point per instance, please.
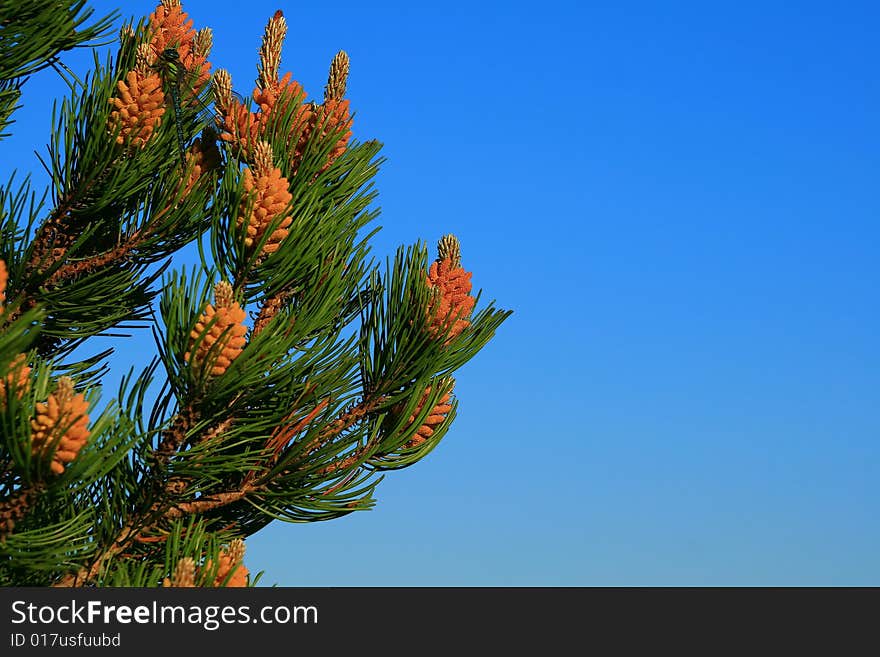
(221, 85)
(203, 42)
(270, 50)
(338, 77)
(64, 391)
(184, 574)
(144, 59)
(223, 296)
(263, 159)
(449, 247)
(236, 550)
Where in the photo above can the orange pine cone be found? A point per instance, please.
(231, 562)
(203, 156)
(171, 27)
(279, 95)
(60, 428)
(19, 376)
(452, 302)
(338, 122)
(435, 418)
(266, 196)
(223, 323)
(241, 127)
(284, 97)
(4, 277)
(139, 108)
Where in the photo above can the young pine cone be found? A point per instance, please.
(230, 561)
(60, 428)
(223, 323)
(452, 303)
(266, 197)
(139, 108)
(19, 376)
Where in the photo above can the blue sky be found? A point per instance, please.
(679, 202)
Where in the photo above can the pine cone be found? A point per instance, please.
(266, 196)
(61, 424)
(139, 109)
(18, 376)
(171, 27)
(230, 561)
(240, 127)
(338, 122)
(228, 327)
(452, 302)
(277, 101)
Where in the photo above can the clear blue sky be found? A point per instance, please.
(680, 203)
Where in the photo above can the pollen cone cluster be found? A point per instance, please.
(202, 157)
(452, 303)
(171, 27)
(281, 110)
(218, 336)
(60, 427)
(231, 572)
(267, 197)
(139, 106)
(139, 103)
(337, 122)
(18, 377)
(335, 113)
(434, 419)
(230, 565)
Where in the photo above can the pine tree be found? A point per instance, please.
(292, 370)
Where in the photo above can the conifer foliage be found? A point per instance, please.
(291, 369)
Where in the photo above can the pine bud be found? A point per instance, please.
(223, 323)
(221, 84)
(60, 427)
(266, 197)
(139, 108)
(449, 247)
(203, 42)
(451, 303)
(338, 77)
(184, 574)
(270, 50)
